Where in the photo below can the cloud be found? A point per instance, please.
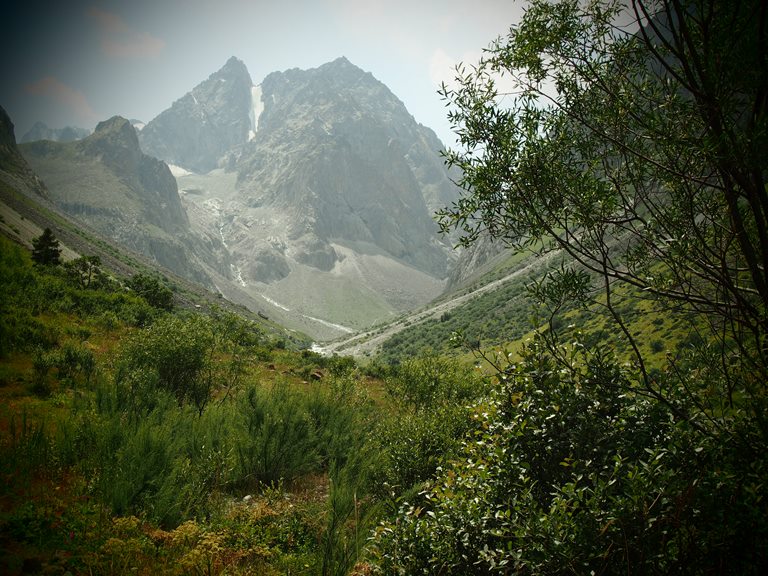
(442, 66)
(120, 40)
(63, 96)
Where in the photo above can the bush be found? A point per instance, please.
(430, 380)
(567, 472)
(433, 395)
(173, 355)
(155, 293)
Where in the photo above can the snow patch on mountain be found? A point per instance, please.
(257, 107)
(178, 171)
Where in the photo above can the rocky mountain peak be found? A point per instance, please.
(117, 131)
(341, 154)
(233, 67)
(205, 123)
(40, 131)
(116, 143)
(13, 167)
(7, 136)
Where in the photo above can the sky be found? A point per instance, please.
(75, 62)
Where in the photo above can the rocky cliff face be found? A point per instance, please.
(475, 260)
(14, 169)
(116, 145)
(319, 183)
(338, 154)
(204, 124)
(107, 181)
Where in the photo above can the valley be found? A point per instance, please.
(307, 197)
(368, 343)
(279, 328)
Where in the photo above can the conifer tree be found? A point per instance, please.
(46, 250)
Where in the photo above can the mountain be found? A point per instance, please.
(40, 131)
(15, 172)
(331, 155)
(107, 181)
(320, 184)
(204, 124)
(308, 196)
(475, 260)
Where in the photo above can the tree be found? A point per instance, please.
(45, 249)
(85, 271)
(155, 293)
(640, 150)
(634, 142)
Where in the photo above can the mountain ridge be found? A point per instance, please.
(311, 192)
(196, 130)
(106, 180)
(332, 187)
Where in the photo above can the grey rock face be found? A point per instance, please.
(340, 154)
(111, 185)
(204, 124)
(116, 145)
(14, 169)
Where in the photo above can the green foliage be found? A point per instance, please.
(280, 439)
(152, 290)
(46, 250)
(85, 271)
(431, 380)
(492, 317)
(630, 152)
(432, 396)
(172, 356)
(288, 433)
(32, 294)
(568, 472)
(169, 426)
(627, 153)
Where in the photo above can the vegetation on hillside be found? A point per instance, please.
(138, 438)
(642, 157)
(626, 435)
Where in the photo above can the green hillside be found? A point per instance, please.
(592, 402)
(134, 438)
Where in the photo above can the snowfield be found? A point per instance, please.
(257, 107)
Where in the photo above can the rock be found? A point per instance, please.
(199, 128)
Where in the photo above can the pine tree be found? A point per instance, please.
(46, 250)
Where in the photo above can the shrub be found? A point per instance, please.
(433, 395)
(567, 472)
(172, 355)
(149, 288)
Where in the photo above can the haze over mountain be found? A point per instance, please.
(40, 131)
(322, 189)
(108, 182)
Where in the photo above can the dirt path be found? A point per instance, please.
(369, 342)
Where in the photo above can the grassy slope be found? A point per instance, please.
(506, 316)
(91, 184)
(52, 513)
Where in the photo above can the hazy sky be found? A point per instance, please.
(70, 62)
